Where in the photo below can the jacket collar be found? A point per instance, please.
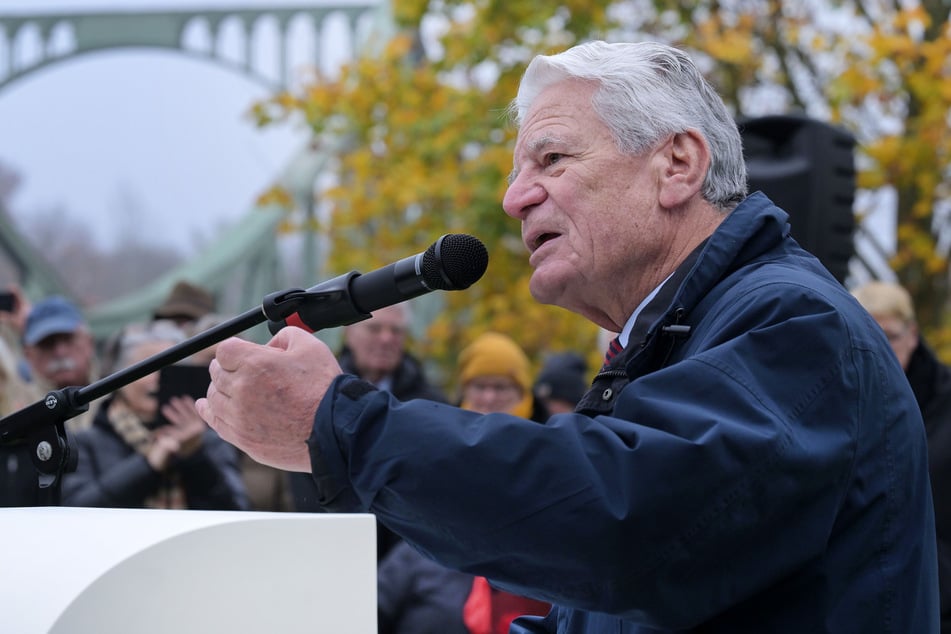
(753, 228)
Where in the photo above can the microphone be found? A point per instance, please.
(452, 263)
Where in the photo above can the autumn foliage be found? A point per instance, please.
(428, 143)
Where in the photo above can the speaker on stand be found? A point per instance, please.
(807, 167)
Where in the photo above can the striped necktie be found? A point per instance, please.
(613, 349)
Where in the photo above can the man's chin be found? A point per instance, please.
(545, 289)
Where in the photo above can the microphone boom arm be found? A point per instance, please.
(451, 263)
(41, 425)
(326, 305)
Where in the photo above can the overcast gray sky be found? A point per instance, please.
(164, 132)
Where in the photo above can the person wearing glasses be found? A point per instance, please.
(416, 595)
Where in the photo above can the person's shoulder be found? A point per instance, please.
(411, 381)
(790, 279)
(779, 291)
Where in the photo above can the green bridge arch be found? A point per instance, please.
(243, 264)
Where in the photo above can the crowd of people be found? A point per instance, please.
(135, 451)
(762, 450)
(130, 449)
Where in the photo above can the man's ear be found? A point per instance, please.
(688, 160)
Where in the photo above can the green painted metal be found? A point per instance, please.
(243, 265)
(30, 269)
(97, 31)
(251, 241)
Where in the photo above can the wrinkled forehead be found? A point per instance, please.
(562, 113)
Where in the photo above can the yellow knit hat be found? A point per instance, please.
(495, 354)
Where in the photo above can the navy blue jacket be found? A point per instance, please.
(754, 462)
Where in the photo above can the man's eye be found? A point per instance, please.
(553, 157)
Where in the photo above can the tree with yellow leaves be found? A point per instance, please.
(882, 70)
(429, 150)
(429, 143)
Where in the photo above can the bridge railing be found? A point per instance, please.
(30, 41)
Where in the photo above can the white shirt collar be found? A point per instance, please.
(625, 333)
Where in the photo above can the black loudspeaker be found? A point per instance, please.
(807, 167)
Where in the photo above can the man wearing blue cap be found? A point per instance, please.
(59, 347)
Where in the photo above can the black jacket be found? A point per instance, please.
(111, 474)
(931, 382)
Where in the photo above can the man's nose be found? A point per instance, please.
(522, 194)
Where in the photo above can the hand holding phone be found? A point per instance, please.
(8, 302)
(180, 380)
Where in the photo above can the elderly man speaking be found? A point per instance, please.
(750, 460)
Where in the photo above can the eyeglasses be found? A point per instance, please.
(500, 387)
(376, 329)
(895, 335)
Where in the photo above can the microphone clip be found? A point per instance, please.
(326, 305)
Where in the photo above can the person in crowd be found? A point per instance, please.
(125, 461)
(185, 304)
(268, 488)
(15, 393)
(495, 375)
(12, 322)
(416, 595)
(61, 352)
(891, 306)
(750, 459)
(47, 346)
(376, 350)
(562, 382)
(19, 479)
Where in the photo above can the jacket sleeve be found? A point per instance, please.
(668, 509)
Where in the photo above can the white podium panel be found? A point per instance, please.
(111, 571)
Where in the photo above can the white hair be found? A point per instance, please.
(137, 335)
(648, 91)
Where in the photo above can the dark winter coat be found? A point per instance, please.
(754, 462)
(931, 381)
(408, 382)
(111, 474)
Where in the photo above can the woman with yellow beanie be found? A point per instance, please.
(419, 596)
(495, 376)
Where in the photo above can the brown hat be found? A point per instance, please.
(186, 301)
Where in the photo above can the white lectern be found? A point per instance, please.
(105, 571)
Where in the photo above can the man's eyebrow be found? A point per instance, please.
(542, 142)
(534, 147)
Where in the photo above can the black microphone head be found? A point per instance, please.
(454, 262)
